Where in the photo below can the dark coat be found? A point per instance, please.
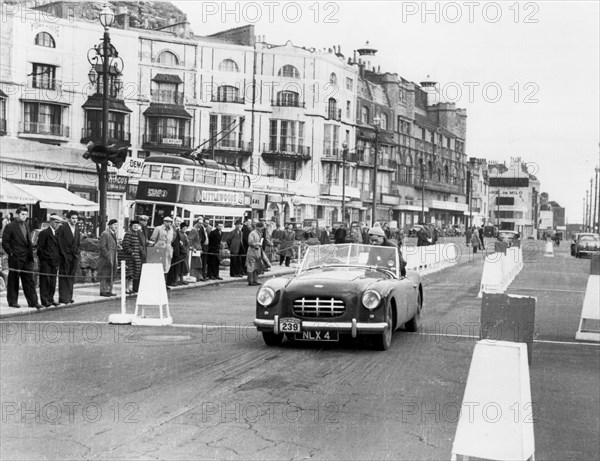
(324, 237)
(340, 235)
(234, 242)
(142, 235)
(245, 233)
(47, 248)
(17, 246)
(214, 241)
(286, 248)
(68, 243)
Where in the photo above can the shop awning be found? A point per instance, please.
(167, 78)
(9, 193)
(58, 198)
(166, 110)
(206, 210)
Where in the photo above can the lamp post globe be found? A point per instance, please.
(107, 16)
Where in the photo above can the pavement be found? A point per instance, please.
(89, 293)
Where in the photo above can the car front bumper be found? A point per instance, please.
(353, 327)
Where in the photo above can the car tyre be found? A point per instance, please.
(414, 324)
(271, 339)
(383, 341)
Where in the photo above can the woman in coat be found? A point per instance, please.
(132, 250)
(475, 241)
(286, 247)
(254, 262)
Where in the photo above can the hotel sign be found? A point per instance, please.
(172, 141)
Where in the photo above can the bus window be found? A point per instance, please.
(223, 179)
(146, 171)
(199, 175)
(188, 175)
(246, 182)
(210, 177)
(155, 171)
(170, 172)
(160, 212)
(144, 208)
(231, 180)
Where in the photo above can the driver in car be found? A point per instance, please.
(377, 237)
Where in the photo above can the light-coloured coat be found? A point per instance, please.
(162, 248)
(254, 255)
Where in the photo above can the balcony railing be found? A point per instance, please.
(286, 148)
(164, 140)
(95, 134)
(2, 126)
(227, 144)
(44, 129)
(285, 103)
(228, 98)
(334, 114)
(167, 97)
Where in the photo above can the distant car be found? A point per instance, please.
(341, 290)
(507, 236)
(587, 243)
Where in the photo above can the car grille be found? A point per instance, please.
(315, 307)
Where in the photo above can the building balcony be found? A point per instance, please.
(2, 126)
(334, 114)
(228, 98)
(228, 146)
(94, 134)
(43, 130)
(439, 186)
(166, 142)
(284, 103)
(286, 151)
(167, 97)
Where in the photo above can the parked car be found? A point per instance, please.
(341, 290)
(587, 243)
(507, 236)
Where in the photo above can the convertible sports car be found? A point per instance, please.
(345, 289)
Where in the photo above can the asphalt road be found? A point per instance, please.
(73, 387)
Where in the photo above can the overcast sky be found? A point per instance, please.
(527, 72)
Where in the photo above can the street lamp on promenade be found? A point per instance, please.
(107, 68)
(595, 201)
(344, 154)
(376, 122)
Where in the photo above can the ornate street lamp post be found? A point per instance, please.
(595, 201)
(107, 65)
(376, 122)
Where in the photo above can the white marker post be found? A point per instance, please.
(123, 318)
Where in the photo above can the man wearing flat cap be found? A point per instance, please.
(49, 256)
(142, 234)
(107, 262)
(236, 250)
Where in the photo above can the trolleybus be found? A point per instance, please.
(180, 186)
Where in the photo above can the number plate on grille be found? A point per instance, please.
(290, 325)
(318, 335)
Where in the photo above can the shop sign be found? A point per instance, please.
(117, 183)
(275, 198)
(259, 201)
(172, 141)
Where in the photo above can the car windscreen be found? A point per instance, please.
(350, 255)
(588, 238)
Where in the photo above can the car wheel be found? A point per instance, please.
(384, 341)
(271, 339)
(414, 324)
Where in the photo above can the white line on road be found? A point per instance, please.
(239, 325)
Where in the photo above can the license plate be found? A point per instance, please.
(318, 335)
(290, 326)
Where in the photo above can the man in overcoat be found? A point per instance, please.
(16, 242)
(214, 250)
(236, 250)
(107, 263)
(68, 236)
(49, 256)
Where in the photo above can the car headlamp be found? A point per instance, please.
(265, 296)
(371, 299)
